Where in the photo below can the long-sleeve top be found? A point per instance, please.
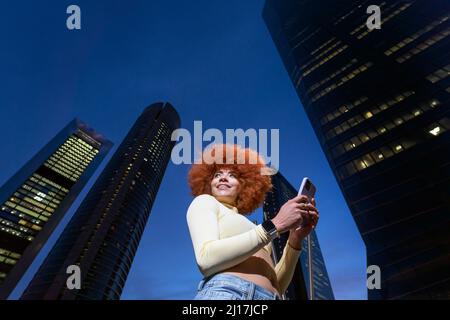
(223, 238)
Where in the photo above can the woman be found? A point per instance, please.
(232, 253)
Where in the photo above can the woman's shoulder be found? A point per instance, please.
(204, 198)
(203, 201)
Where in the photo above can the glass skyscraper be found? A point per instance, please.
(104, 233)
(378, 100)
(302, 286)
(36, 198)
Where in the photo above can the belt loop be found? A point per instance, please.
(200, 285)
(203, 282)
(251, 290)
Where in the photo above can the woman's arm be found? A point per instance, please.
(214, 254)
(285, 267)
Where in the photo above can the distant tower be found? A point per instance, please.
(299, 289)
(104, 233)
(379, 103)
(37, 197)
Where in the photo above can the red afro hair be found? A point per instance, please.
(250, 168)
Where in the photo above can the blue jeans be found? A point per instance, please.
(230, 287)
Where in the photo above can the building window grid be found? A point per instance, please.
(73, 160)
(316, 57)
(356, 120)
(16, 228)
(439, 74)
(343, 80)
(342, 18)
(399, 120)
(384, 152)
(363, 25)
(332, 76)
(342, 110)
(424, 45)
(320, 63)
(389, 17)
(28, 208)
(323, 46)
(31, 187)
(44, 187)
(49, 208)
(415, 36)
(69, 162)
(9, 253)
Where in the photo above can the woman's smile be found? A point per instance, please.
(225, 186)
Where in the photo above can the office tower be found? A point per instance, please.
(302, 287)
(104, 233)
(38, 196)
(378, 101)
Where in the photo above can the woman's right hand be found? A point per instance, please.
(291, 214)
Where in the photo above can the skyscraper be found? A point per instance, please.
(378, 100)
(104, 233)
(300, 287)
(36, 198)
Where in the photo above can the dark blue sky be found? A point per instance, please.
(214, 61)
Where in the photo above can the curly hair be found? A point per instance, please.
(248, 166)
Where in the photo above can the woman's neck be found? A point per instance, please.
(228, 204)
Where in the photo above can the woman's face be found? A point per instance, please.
(225, 186)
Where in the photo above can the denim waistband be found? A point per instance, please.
(251, 287)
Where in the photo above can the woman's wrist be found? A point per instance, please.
(295, 246)
(294, 241)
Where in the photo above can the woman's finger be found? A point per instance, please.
(300, 199)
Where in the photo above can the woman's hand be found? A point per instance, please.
(291, 214)
(297, 234)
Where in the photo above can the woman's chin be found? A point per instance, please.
(226, 197)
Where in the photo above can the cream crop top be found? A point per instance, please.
(223, 238)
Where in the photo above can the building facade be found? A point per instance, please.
(302, 286)
(378, 101)
(38, 196)
(104, 233)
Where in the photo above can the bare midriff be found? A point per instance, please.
(258, 269)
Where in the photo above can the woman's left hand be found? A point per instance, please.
(297, 235)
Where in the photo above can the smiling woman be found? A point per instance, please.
(233, 254)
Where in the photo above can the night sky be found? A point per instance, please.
(214, 61)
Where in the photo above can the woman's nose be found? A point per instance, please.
(223, 179)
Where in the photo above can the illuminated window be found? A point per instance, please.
(435, 131)
(368, 115)
(381, 130)
(378, 156)
(398, 148)
(398, 121)
(360, 165)
(364, 137)
(368, 160)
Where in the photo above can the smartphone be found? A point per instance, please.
(307, 188)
